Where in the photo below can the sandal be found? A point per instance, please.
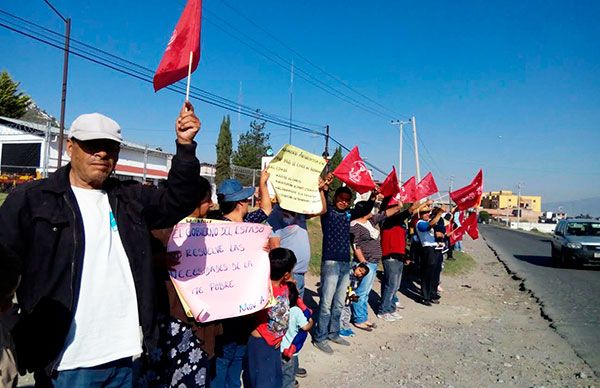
(372, 325)
(363, 326)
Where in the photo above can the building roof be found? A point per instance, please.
(40, 130)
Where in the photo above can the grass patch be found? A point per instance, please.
(2, 197)
(462, 264)
(316, 245)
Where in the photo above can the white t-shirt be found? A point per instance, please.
(106, 323)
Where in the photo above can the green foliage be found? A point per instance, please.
(13, 103)
(224, 149)
(316, 245)
(463, 263)
(252, 146)
(484, 216)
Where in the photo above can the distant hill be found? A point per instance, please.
(37, 115)
(589, 206)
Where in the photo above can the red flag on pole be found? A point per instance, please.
(457, 235)
(470, 195)
(390, 185)
(407, 192)
(470, 226)
(426, 187)
(354, 172)
(176, 63)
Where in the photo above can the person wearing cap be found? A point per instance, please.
(366, 242)
(234, 201)
(87, 283)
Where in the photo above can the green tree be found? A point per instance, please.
(252, 146)
(484, 216)
(335, 161)
(13, 103)
(224, 151)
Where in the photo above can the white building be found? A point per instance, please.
(32, 149)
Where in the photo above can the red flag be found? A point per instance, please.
(407, 192)
(390, 185)
(426, 187)
(354, 172)
(457, 235)
(185, 39)
(470, 226)
(470, 195)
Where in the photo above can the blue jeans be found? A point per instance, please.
(392, 276)
(112, 374)
(335, 278)
(229, 366)
(458, 246)
(299, 278)
(360, 309)
(288, 369)
(263, 364)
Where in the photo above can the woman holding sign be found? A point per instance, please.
(234, 201)
(186, 348)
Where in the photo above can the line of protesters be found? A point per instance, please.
(86, 256)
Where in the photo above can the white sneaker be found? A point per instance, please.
(399, 306)
(386, 317)
(396, 316)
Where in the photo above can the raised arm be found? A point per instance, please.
(265, 199)
(165, 207)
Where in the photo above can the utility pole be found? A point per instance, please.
(449, 191)
(326, 152)
(518, 205)
(145, 163)
(291, 97)
(400, 124)
(414, 125)
(63, 100)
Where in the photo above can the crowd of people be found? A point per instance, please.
(86, 256)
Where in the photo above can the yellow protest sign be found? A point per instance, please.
(294, 174)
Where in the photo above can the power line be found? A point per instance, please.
(177, 88)
(148, 71)
(285, 64)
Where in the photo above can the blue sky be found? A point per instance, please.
(512, 87)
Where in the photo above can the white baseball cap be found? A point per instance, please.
(92, 126)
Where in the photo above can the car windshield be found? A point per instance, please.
(583, 229)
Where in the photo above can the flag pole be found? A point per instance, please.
(189, 77)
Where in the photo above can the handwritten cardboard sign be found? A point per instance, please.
(223, 270)
(294, 174)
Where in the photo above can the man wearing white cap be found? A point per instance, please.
(83, 237)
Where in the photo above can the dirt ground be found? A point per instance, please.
(485, 332)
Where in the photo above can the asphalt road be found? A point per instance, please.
(569, 297)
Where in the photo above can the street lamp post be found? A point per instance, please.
(519, 185)
(63, 100)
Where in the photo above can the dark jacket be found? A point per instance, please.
(42, 223)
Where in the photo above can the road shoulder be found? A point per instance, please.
(485, 332)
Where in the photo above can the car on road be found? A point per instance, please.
(576, 241)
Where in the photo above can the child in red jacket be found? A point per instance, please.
(263, 357)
